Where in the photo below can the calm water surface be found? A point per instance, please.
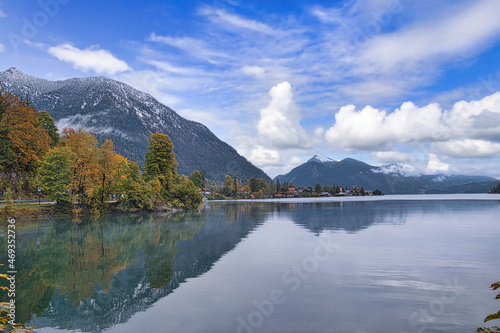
(399, 264)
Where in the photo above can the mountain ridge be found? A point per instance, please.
(114, 110)
(390, 178)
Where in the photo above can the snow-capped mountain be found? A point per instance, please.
(321, 158)
(114, 110)
(390, 179)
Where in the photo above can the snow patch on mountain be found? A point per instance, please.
(322, 158)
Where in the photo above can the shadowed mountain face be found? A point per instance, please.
(390, 179)
(113, 110)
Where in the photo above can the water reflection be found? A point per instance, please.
(354, 216)
(96, 274)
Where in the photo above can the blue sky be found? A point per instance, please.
(385, 81)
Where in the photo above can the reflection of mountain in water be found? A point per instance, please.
(154, 257)
(353, 216)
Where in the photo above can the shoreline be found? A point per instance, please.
(387, 197)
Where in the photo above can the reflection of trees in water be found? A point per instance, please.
(95, 274)
(77, 260)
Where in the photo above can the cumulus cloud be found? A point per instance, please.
(435, 165)
(469, 148)
(279, 122)
(371, 128)
(280, 135)
(92, 58)
(263, 156)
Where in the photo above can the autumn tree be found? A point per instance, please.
(107, 167)
(85, 169)
(22, 139)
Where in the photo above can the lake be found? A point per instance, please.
(389, 264)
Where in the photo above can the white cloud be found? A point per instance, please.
(454, 36)
(85, 122)
(370, 128)
(263, 156)
(254, 71)
(392, 156)
(232, 21)
(469, 148)
(195, 47)
(2, 48)
(152, 82)
(332, 15)
(92, 58)
(435, 165)
(2, 14)
(279, 123)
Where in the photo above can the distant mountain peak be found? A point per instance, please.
(390, 179)
(321, 158)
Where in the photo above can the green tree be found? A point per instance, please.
(257, 184)
(227, 189)
(318, 188)
(278, 186)
(272, 187)
(185, 194)
(160, 161)
(47, 123)
(54, 174)
(236, 187)
(197, 178)
(133, 193)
